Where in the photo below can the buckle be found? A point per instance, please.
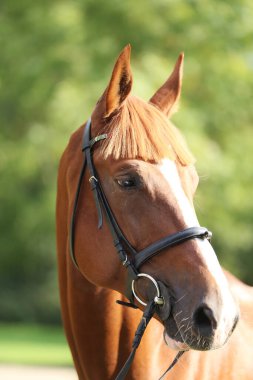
(93, 178)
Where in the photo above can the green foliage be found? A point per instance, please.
(56, 60)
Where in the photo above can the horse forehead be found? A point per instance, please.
(167, 168)
(170, 173)
(180, 177)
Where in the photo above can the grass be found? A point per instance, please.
(33, 345)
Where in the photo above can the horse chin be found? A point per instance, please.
(175, 339)
(173, 344)
(178, 345)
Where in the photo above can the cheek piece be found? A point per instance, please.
(130, 258)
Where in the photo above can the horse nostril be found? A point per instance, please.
(204, 321)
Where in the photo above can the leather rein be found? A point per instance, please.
(129, 257)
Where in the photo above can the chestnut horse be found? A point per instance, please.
(148, 176)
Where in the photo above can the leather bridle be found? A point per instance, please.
(130, 258)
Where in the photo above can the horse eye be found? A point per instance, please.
(126, 183)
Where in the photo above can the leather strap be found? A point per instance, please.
(87, 145)
(147, 315)
(73, 217)
(119, 240)
(177, 357)
(100, 198)
(170, 241)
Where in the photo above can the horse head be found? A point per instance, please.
(148, 177)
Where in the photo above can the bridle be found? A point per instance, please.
(130, 258)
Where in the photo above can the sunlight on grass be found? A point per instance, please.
(31, 344)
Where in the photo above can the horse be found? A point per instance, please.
(148, 177)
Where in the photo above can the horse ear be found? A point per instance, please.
(121, 82)
(166, 98)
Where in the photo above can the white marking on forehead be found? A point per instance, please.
(228, 309)
(169, 170)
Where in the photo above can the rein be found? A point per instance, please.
(129, 257)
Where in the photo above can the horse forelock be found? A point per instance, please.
(141, 131)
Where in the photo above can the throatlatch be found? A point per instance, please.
(130, 258)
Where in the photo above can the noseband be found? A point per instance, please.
(130, 258)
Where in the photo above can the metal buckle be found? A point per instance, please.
(125, 260)
(158, 298)
(209, 235)
(93, 178)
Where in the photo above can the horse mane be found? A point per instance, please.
(142, 131)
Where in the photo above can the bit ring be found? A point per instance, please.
(158, 298)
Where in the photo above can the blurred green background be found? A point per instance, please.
(56, 59)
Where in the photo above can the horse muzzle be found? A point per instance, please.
(186, 327)
(197, 330)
